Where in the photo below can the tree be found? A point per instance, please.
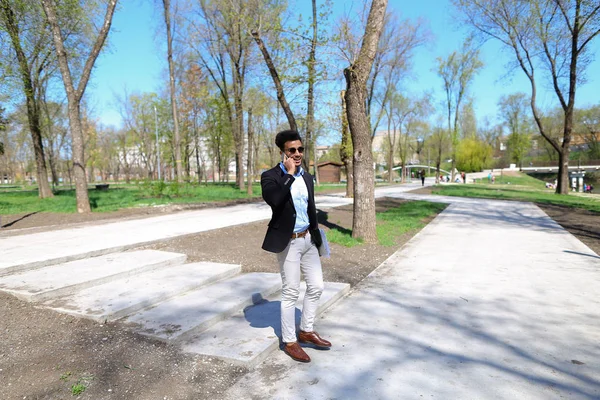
(223, 49)
(473, 154)
(551, 34)
(363, 223)
(267, 25)
(177, 142)
(256, 32)
(468, 120)
(250, 161)
(513, 109)
(55, 133)
(408, 116)
(457, 71)
(310, 94)
(3, 123)
(392, 134)
(399, 39)
(74, 95)
(588, 120)
(22, 21)
(346, 148)
(194, 94)
(438, 143)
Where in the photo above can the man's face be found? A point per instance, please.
(294, 150)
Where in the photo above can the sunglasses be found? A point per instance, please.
(292, 150)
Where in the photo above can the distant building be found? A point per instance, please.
(330, 172)
(322, 150)
(380, 145)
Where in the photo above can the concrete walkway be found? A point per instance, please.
(492, 300)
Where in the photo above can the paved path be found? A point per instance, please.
(492, 300)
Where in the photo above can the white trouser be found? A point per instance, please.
(300, 255)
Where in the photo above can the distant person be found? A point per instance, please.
(422, 176)
(294, 236)
(490, 177)
(464, 177)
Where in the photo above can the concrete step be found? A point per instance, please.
(198, 310)
(125, 296)
(64, 279)
(41, 249)
(248, 337)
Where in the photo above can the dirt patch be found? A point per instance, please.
(583, 224)
(423, 190)
(44, 353)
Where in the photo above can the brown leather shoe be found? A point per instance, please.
(314, 338)
(296, 352)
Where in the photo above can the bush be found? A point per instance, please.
(153, 188)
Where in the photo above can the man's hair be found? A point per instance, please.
(286, 136)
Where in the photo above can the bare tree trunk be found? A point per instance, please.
(79, 173)
(239, 143)
(51, 154)
(390, 151)
(276, 81)
(311, 142)
(197, 150)
(74, 96)
(363, 224)
(346, 149)
(316, 174)
(249, 161)
(238, 120)
(177, 144)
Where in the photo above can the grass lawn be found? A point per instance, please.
(19, 199)
(392, 223)
(121, 196)
(520, 187)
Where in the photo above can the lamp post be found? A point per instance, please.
(157, 146)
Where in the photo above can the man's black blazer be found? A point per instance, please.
(276, 186)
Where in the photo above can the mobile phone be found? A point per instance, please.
(284, 158)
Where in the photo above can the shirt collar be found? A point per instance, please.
(299, 172)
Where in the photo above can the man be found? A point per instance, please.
(294, 236)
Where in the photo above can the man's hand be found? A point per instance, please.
(289, 164)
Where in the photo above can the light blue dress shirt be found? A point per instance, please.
(300, 198)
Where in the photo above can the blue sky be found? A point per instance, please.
(135, 61)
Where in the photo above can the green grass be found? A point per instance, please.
(522, 188)
(392, 223)
(123, 196)
(22, 200)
